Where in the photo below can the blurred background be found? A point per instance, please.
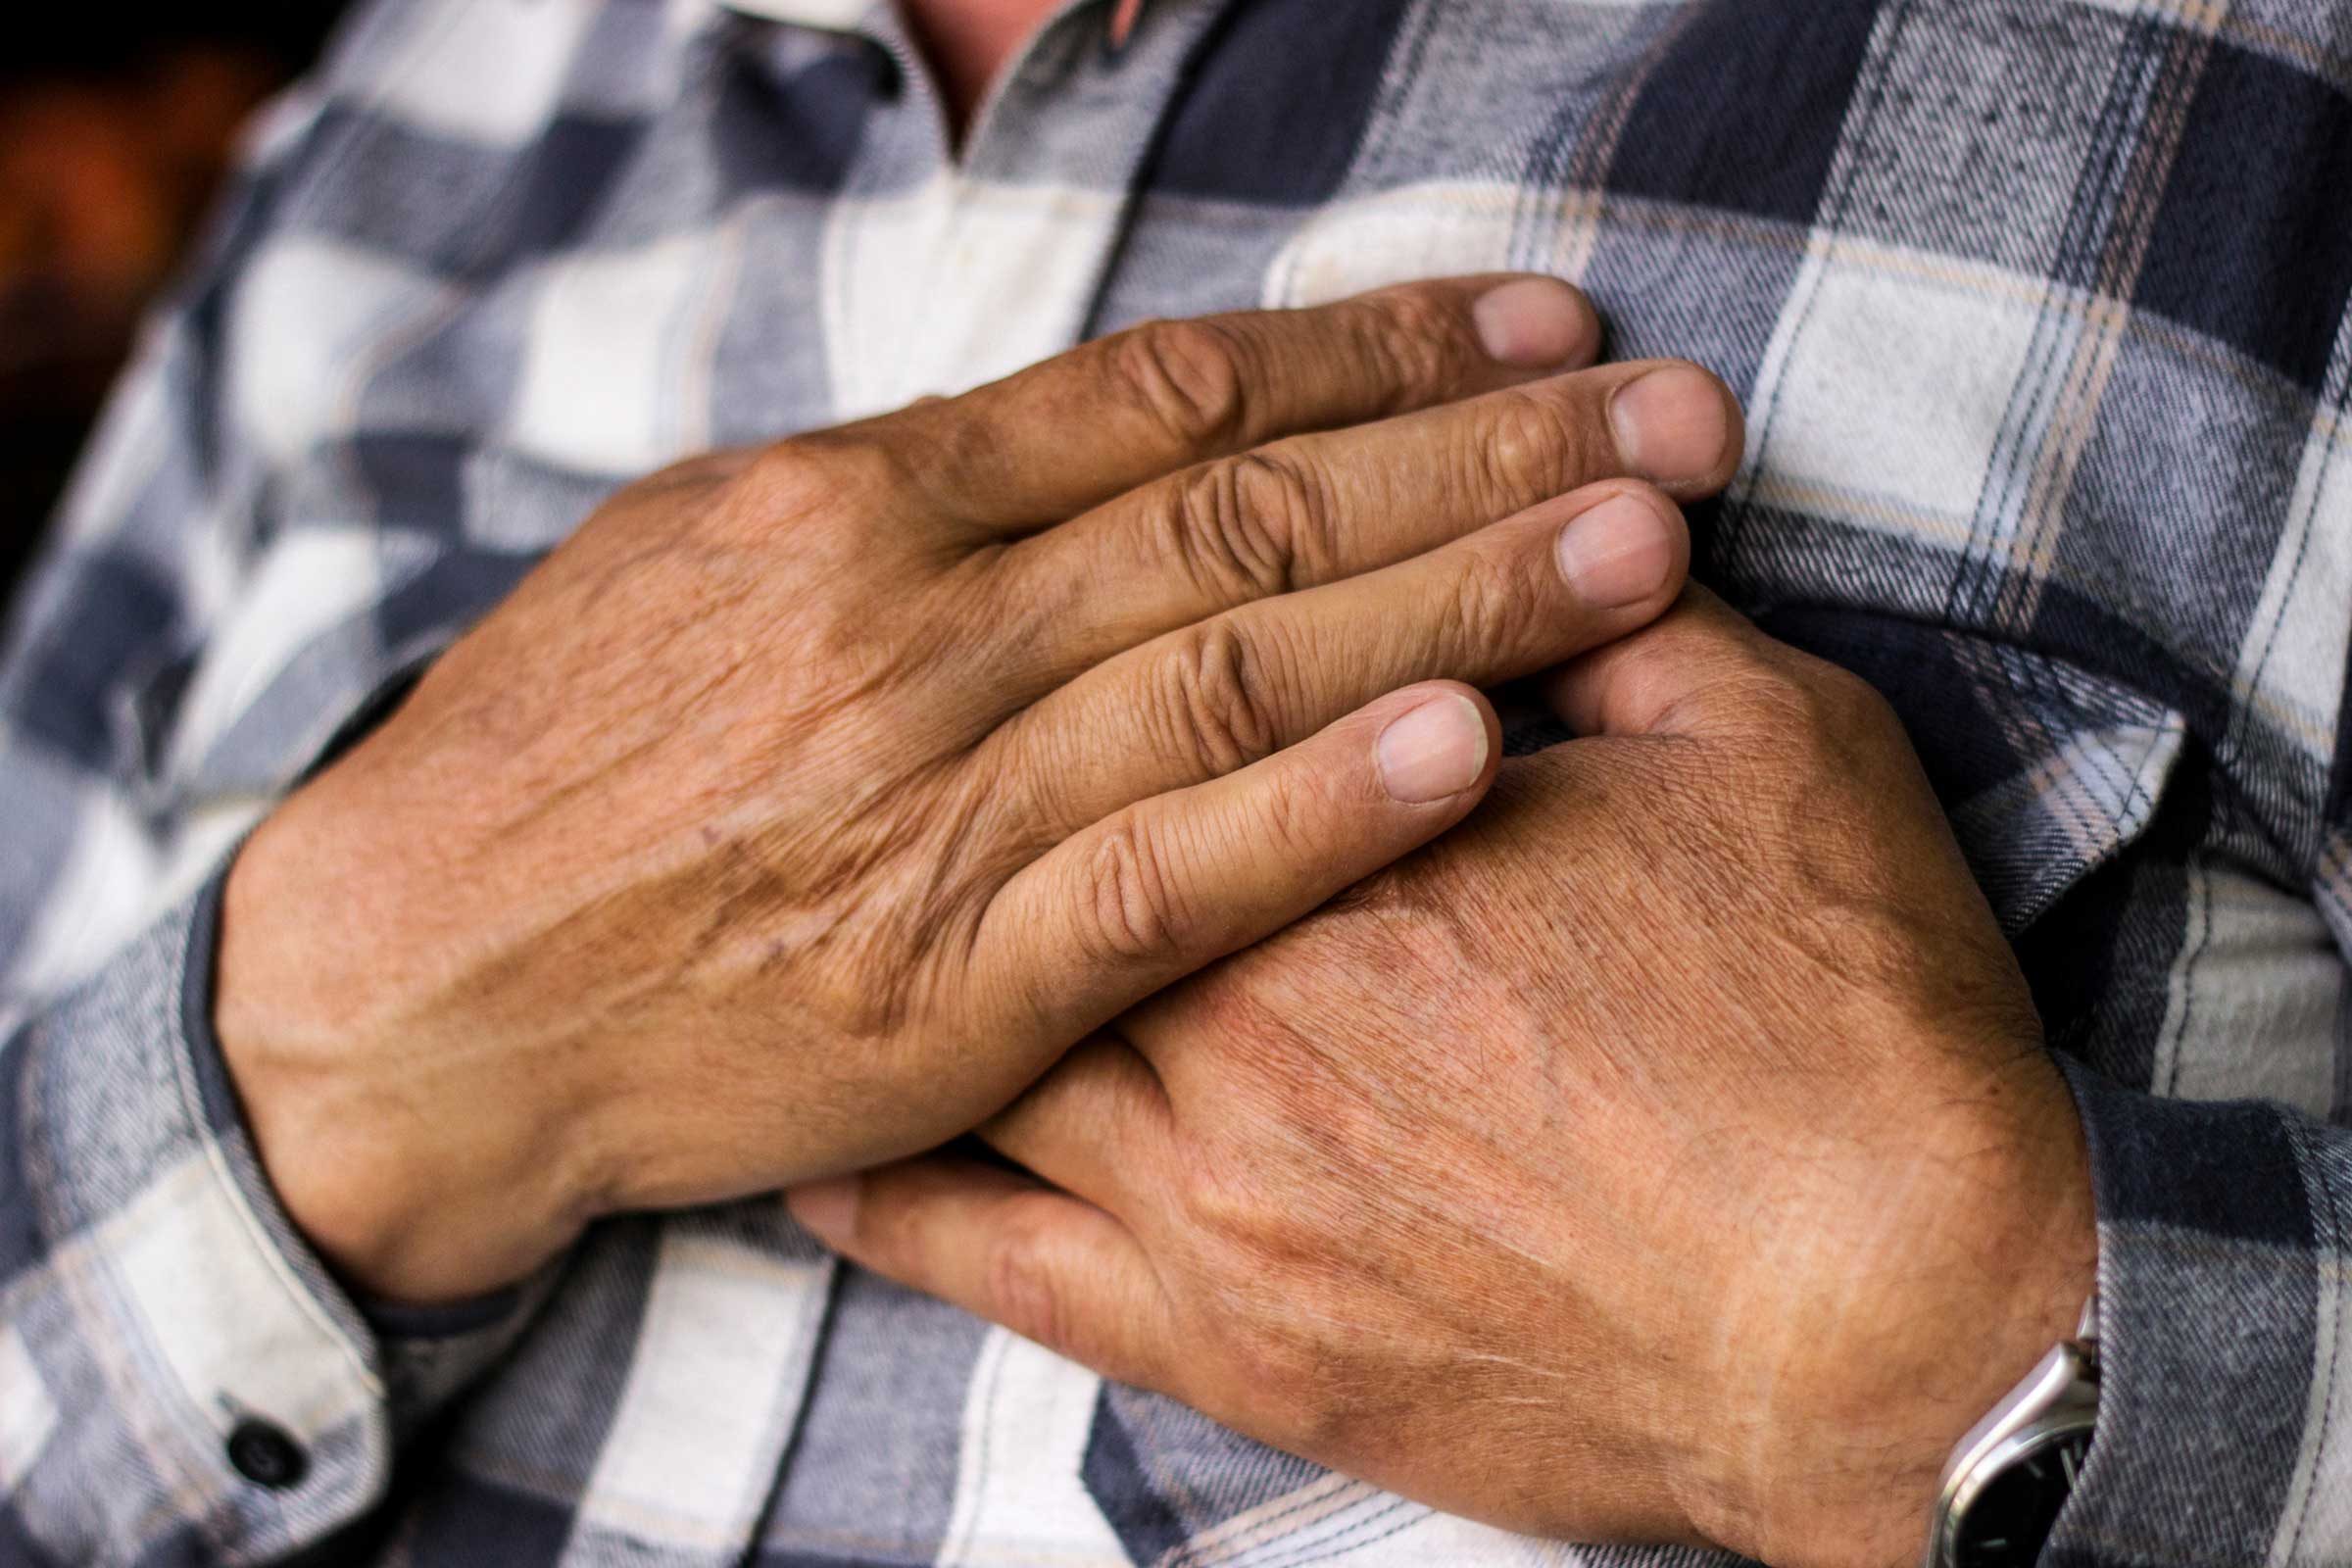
(115, 126)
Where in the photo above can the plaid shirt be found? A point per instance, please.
(2039, 306)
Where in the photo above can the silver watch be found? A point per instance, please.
(2006, 1482)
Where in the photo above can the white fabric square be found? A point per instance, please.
(1431, 229)
(713, 1387)
(616, 371)
(2292, 667)
(28, 1416)
(955, 284)
(1886, 393)
(84, 914)
(311, 579)
(1020, 1490)
(484, 70)
(305, 330)
(237, 1331)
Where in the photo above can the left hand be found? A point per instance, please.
(1668, 1155)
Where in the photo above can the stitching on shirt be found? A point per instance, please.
(1191, 1554)
(1294, 1552)
(2335, 1247)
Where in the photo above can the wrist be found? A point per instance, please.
(1976, 1251)
(414, 1173)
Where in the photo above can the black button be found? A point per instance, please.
(265, 1455)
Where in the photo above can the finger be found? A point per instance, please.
(1516, 598)
(1318, 508)
(1164, 886)
(1050, 442)
(1052, 1268)
(1704, 669)
(1097, 1126)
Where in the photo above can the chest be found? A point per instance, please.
(2038, 325)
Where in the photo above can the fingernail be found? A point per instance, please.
(1437, 749)
(827, 1209)
(1535, 323)
(1619, 553)
(1670, 424)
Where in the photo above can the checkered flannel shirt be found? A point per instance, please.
(2037, 306)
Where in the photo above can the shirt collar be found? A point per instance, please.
(832, 16)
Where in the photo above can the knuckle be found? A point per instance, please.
(1221, 699)
(823, 475)
(1822, 720)
(1818, 701)
(1190, 375)
(787, 473)
(1248, 524)
(1131, 911)
(1415, 341)
(1490, 610)
(1847, 705)
(1530, 441)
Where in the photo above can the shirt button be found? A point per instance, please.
(265, 1455)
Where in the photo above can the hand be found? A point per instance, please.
(1668, 1155)
(804, 806)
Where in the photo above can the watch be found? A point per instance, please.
(2007, 1480)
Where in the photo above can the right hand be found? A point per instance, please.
(809, 802)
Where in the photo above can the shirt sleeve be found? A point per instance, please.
(2225, 1432)
(182, 1378)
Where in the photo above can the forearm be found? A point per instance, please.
(159, 1302)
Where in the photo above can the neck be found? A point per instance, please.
(968, 42)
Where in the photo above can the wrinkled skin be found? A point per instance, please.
(809, 802)
(1669, 1153)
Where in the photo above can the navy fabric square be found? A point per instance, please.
(2101, 961)
(1145, 1525)
(796, 131)
(450, 594)
(2074, 626)
(20, 1238)
(574, 168)
(416, 482)
(2225, 1170)
(463, 209)
(1695, 137)
(16, 1545)
(1162, 1472)
(432, 201)
(115, 609)
(2250, 244)
(1278, 103)
(464, 1520)
(2339, 810)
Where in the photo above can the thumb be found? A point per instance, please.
(1700, 668)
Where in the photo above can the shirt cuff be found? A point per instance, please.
(2224, 1427)
(173, 1356)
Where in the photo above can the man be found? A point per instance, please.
(1668, 1153)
